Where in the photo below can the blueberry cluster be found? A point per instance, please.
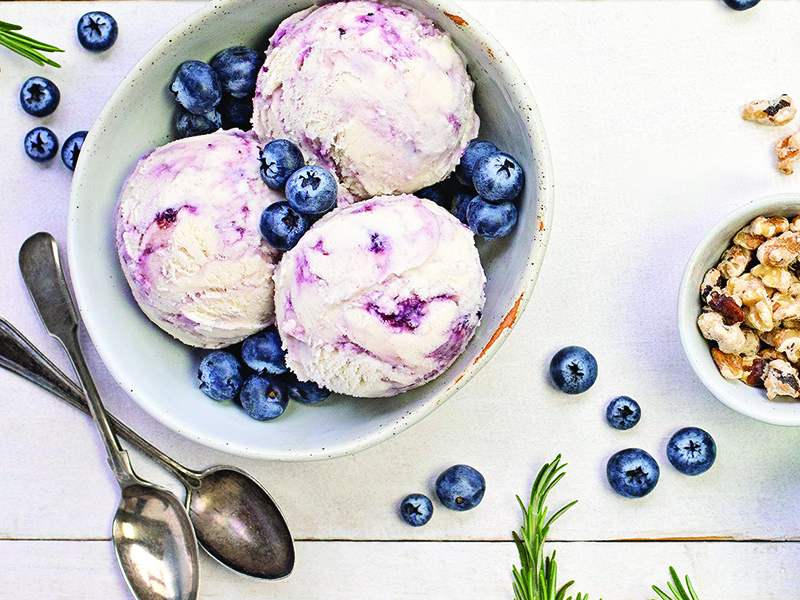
(458, 488)
(632, 472)
(482, 193)
(310, 193)
(217, 94)
(39, 97)
(255, 373)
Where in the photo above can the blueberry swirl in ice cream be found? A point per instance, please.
(374, 93)
(379, 297)
(189, 242)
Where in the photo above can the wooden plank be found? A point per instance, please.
(641, 102)
(399, 571)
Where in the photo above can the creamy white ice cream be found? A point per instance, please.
(376, 94)
(189, 242)
(379, 297)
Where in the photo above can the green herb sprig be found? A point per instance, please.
(677, 589)
(536, 579)
(26, 46)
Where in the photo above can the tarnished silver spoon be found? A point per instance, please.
(153, 537)
(234, 517)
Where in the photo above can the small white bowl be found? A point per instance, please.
(747, 400)
(159, 372)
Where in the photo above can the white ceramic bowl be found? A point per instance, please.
(747, 400)
(159, 372)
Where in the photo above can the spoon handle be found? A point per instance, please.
(41, 269)
(19, 355)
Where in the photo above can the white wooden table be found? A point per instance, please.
(641, 102)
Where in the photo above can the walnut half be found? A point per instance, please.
(770, 112)
(788, 151)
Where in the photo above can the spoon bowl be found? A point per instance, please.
(228, 500)
(150, 534)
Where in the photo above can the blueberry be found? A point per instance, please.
(632, 473)
(41, 144)
(264, 398)
(460, 203)
(262, 352)
(305, 392)
(220, 375)
(573, 369)
(282, 226)
(435, 193)
(623, 412)
(311, 190)
(189, 124)
(474, 151)
(71, 149)
(416, 509)
(279, 159)
(741, 4)
(237, 68)
(236, 112)
(197, 87)
(498, 177)
(490, 220)
(691, 450)
(39, 96)
(97, 31)
(460, 487)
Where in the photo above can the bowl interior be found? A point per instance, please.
(747, 400)
(159, 372)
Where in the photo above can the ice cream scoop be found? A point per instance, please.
(376, 94)
(189, 242)
(379, 297)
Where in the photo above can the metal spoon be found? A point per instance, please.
(235, 519)
(153, 537)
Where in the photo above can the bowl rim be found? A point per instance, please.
(543, 171)
(688, 295)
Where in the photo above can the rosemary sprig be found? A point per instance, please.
(536, 579)
(26, 46)
(677, 589)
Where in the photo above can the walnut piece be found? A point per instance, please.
(785, 307)
(781, 380)
(726, 306)
(788, 151)
(731, 339)
(780, 251)
(734, 261)
(768, 227)
(712, 281)
(745, 239)
(770, 112)
(786, 341)
(769, 354)
(749, 369)
(747, 289)
(774, 277)
(759, 316)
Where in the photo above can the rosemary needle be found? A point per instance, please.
(26, 46)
